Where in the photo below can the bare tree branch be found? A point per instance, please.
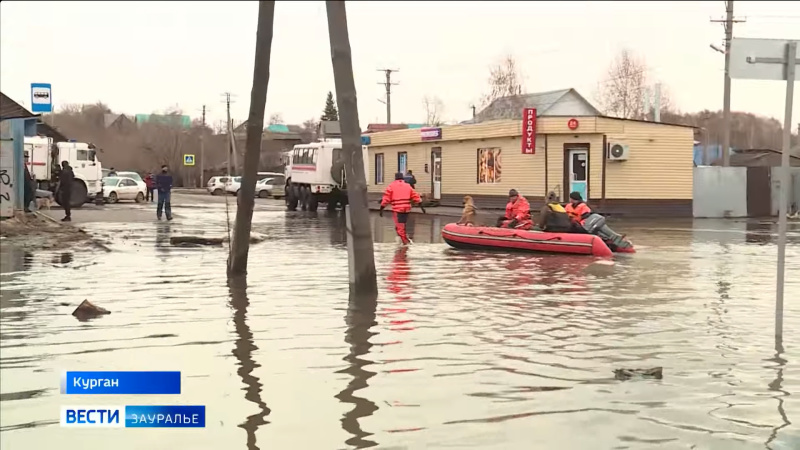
(276, 119)
(434, 107)
(504, 80)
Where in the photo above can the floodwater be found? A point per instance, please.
(461, 350)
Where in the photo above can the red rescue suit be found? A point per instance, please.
(400, 195)
(518, 211)
(578, 212)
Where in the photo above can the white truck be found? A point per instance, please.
(315, 174)
(44, 163)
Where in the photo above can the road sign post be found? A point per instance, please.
(41, 98)
(188, 160)
(773, 59)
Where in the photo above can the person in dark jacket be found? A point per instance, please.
(66, 179)
(411, 179)
(29, 194)
(164, 188)
(554, 217)
(112, 172)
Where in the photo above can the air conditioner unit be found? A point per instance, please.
(618, 151)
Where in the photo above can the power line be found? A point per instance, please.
(388, 85)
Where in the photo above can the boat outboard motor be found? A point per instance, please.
(596, 224)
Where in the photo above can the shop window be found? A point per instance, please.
(379, 168)
(402, 162)
(490, 165)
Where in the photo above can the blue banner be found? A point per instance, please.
(170, 416)
(98, 383)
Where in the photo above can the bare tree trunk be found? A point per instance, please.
(237, 260)
(363, 258)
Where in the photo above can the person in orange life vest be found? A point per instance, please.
(518, 213)
(400, 195)
(578, 211)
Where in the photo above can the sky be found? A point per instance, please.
(145, 57)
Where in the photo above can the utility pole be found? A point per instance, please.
(726, 100)
(360, 251)
(229, 128)
(473, 111)
(388, 84)
(203, 149)
(240, 243)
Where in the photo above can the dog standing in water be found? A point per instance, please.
(468, 216)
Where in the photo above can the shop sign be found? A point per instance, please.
(529, 131)
(431, 134)
(572, 124)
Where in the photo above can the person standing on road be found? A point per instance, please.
(150, 182)
(66, 178)
(164, 187)
(411, 179)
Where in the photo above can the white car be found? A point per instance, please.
(271, 187)
(216, 185)
(133, 175)
(123, 188)
(233, 185)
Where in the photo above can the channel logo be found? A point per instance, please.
(134, 416)
(104, 416)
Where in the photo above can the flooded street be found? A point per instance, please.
(462, 349)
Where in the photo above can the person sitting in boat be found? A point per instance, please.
(578, 211)
(518, 213)
(554, 217)
(400, 195)
(586, 221)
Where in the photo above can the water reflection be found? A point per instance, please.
(163, 232)
(243, 351)
(360, 318)
(756, 233)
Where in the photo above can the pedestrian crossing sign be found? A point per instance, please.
(188, 160)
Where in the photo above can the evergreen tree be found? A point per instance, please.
(330, 112)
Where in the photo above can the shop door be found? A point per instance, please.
(578, 171)
(436, 173)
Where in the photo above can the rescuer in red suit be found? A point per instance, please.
(400, 195)
(518, 213)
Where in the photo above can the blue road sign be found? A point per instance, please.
(188, 160)
(41, 98)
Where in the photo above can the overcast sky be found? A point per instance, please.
(145, 57)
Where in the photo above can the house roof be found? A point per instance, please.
(43, 129)
(756, 157)
(9, 109)
(109, 119)
(511, 107)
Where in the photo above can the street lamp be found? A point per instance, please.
(717, 49)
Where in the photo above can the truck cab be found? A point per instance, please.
(315, 174)
(44, 163)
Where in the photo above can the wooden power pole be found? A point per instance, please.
(363, 279)
(726, 98)
(387, 84)
(240, 242)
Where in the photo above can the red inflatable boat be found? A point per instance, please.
(490, 238)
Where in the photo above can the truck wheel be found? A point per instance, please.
(313, 202)
(304, 198)
(79, 194)
(291, 199)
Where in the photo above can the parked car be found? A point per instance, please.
(133, 175)
(123, 188)
(271, 187)
(232, 185)
(216, 185)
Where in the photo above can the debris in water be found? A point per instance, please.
(194, 240)
(604, 262)
(627, 374)
(87, 310)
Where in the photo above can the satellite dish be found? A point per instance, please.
(617, 150)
